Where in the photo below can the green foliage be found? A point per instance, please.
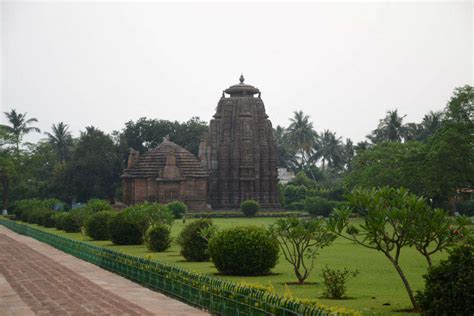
(69, 224)
(97, 225)
(249, 207)
(244, 250)
(22, 208)
(194, 247)
(179, 209)
(124, 231)
(95, 166)
(295, 206)
(58, 220)
(317, 206)
(294, 193)
(80, 215)
(146, 214)
(466, 207)
(46, 218)
(300, 240)
(394, 219)
(98, 205)
(449, 285)
(157, 238)
(335, 281)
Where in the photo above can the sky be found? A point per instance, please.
(344, 64)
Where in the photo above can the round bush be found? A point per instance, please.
(97, 225)
(58, 220)
(318, 206)
(123, 231)
(69, 224)
(47, 218)
(244, 250)
(193, 245)
(249, 207)
(158, 238)
(449, 285)
(177, 208)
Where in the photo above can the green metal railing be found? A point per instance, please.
(212, 294)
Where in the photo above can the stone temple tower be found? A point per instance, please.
(240, 151)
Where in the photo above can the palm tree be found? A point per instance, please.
(61, 140)
(301, 135)
(19, 126)
(430, 124)
(330, 150)
(390, 129)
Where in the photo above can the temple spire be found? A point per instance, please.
(242, 79)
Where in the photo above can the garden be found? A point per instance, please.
(258, 251)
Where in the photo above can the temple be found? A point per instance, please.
(165, 174)
(240, 152)
(237, 161)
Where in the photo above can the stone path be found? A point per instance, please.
(38, 279)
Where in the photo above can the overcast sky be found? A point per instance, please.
(345, 65)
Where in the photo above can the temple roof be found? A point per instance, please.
(241, 88)
(152, 163)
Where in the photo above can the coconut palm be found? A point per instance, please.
(61, 140)
(302, 135)
(330, 150)
(19, 126)
(390, 129)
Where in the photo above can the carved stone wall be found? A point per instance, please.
(240, 151)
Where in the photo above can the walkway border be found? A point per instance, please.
(215, 295)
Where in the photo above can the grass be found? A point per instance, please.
(377, 288)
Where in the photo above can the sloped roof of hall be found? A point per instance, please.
(151, 164)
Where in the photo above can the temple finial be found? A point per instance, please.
(242, 79)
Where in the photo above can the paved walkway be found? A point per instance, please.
(36, 279)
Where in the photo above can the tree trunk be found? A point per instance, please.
(405, 282)
(5, 196)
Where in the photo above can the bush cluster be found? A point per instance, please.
(244, 250)
(249, 207)
(318, 206)
(335, 281)
(192, 242)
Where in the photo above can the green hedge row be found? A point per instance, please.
(215, 295)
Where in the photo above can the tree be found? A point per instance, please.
(285, 152)
(389, 216)
(349, 153)
(19, 126)
(460, 107)
(7, 171)
(302, 135)
(61, 140)
(389, 129)
(95, 166)
(300, 240)
(391, 164)
(330, 149)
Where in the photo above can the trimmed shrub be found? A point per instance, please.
(123, 230)
(249, 207)
(58, 219)
(193, 244)
(69, 224)
(177, 208)
(146, 214)
(47, 218)
(449, 285)
(23, 208)
(244, 250)
(157, 238)
(80, 215)
(318, 206)
(294, 193)
(97, 225)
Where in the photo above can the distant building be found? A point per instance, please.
(285, 176)
(165, 174)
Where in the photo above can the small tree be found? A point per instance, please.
(335, 281)
(389, 223)
(300, 240)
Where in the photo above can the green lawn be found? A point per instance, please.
(377, 288)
